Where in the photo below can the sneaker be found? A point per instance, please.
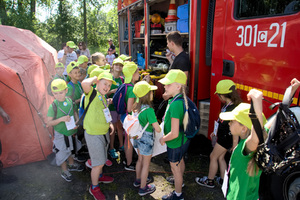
(173, 196)
(96, 193)
(219, 180)
(67, 176)
(121, 148)
(88, 163)
(113, 153)
(147, 190)
(108, 163)
(75, 168)
(106, 179)
(204, 181)
(130, 167)
(80, 158)
(171, 180)
(137, 183)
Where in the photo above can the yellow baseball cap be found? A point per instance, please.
(118, 61)
(124, 57)
(174, 75)
(107, 66)
(141, 88)
(97, 71)
(71, 44)
(128, 70)
(59, 64)
(71, 66)
(82, 59)
(223, 86)
(58, 85)
(107, 76)
(91, 68)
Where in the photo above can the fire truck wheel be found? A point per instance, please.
(294, 189)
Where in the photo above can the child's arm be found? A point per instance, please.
(252, 141)
(51, 122)
(295, 84)
(130, 103)
(87, 83)
(111, 92)
(156, 127)
(173, 133)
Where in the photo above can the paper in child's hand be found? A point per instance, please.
(71, 124)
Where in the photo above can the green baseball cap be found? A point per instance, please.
(223, 86)
(128, 70)
(58, 85)
(59, 64)
(71, 44)
(97, 71)
(107, 76)
(124, 57)
(82, 59)
(71, 66)
(91, 68)
(141, 88)
(174, 75)
(107, 66)
(118, 61)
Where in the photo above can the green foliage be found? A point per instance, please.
(67, 21)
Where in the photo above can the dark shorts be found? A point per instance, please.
(225, 140)
(175, 155)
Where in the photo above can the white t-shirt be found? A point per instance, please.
(70, 57)
(110, 58)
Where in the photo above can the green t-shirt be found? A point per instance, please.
(129, 94)
(241, 185)
(119, 82)
(175, 109)
(77, 94)
(146, 116)
(67, 107)
(94, 121)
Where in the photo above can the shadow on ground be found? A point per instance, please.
(40, 180)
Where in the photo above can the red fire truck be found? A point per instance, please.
(254, 43)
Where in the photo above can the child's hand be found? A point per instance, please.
(109, 101)
(161, 141)
(212, 135)
(65, 118)
(295, 84)
(256, 96)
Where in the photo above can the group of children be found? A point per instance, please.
(101, 120)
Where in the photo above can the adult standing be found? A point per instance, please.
(67, 55)
(112, 46)
(84, 50)
(177, 57)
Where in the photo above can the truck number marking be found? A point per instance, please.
(249, 35)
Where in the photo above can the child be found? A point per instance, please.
(131, 73)
(96, 124)
(82, 64)
(144, 145)
(227, 94)
(110, 57)
(74, 87)
(175, 117)
(63, 140)
(116, 71)
(59, 69)
(98, 59)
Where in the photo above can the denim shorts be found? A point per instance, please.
(145, 143)
(175, 155)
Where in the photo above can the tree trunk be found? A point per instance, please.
(3, 14)
(84, 22)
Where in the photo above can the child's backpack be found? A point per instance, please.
(82, 110)
(132, 125)
(194, 121)
(119, 98)
(280, 152)
(54, 107)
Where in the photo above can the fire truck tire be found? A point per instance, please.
(294, 190)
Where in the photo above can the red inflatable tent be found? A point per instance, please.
(26, 65)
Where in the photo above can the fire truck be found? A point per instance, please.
(254, 43)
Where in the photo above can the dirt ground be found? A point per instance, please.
(40, 180)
